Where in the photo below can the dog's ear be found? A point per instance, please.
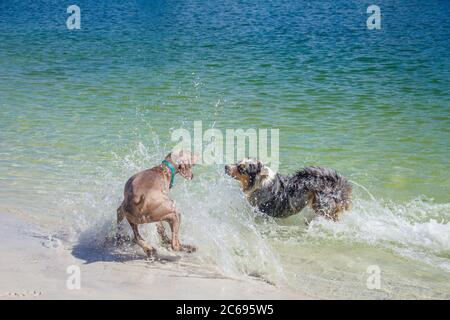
(181, 157)
(253, 168)
(259, 166)
(264, 171)
(195, 158)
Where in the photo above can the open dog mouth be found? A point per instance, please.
(187, 176)
(230, 171)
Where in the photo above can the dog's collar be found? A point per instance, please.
(172, 171)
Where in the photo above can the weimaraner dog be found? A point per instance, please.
(146, 200)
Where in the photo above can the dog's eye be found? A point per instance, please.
(240, 169)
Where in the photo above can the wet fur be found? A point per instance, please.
(326, 191)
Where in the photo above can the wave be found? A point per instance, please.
(419, 229)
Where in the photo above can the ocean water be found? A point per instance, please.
(82, 110)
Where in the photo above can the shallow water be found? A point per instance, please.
(81, 111)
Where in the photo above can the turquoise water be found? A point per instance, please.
(82, 110)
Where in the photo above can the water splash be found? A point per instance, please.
(215, 217)
(237, 242)
(419, 230)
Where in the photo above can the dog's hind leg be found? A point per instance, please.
(149, 251)
(324, 205)
(170, 214)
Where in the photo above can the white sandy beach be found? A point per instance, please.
(35, 267)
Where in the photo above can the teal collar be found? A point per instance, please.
(172, 171)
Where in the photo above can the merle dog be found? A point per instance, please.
(326, 191)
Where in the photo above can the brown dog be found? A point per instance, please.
(146, 199)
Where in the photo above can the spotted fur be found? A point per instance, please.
(326, 191)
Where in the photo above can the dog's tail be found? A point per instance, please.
(120, 214)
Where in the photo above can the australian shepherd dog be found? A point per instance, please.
(326, 191)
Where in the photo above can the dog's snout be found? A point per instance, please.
(227, 169)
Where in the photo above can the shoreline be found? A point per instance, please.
(35, 266)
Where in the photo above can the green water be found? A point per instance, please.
(81, 111)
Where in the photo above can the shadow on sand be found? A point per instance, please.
(110, 251)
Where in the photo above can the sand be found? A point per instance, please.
(34, 266)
